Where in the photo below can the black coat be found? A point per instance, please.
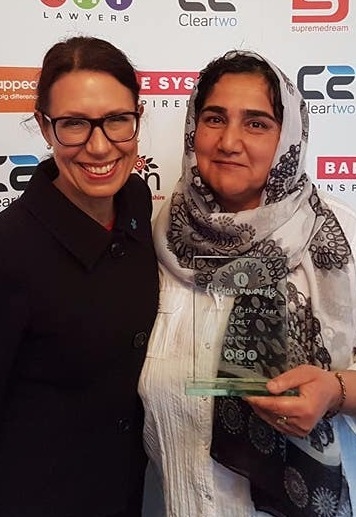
(77, 304)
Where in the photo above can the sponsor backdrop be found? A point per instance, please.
(168, 41)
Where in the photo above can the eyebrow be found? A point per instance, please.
(119, 111)
(247, 112)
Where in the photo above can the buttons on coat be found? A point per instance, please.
(117, 250)
(123, 425)
(140, 340)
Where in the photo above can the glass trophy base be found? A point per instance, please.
(231, 387)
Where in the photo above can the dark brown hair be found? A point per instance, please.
(84, 53)
(238, 62)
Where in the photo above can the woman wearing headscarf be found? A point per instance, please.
(244, 192)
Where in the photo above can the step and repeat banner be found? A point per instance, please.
(169, 41)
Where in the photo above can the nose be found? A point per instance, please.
(231, 139)
(98, 143)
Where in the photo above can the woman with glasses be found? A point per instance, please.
(78, 299)
(257, 272)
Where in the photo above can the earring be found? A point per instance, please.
(49, 147)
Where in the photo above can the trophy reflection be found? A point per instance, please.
(240, 303)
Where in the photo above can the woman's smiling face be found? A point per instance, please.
(99, 168)
(236, 138)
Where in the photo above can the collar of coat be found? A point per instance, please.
(81, 235)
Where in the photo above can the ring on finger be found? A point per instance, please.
(282, 420)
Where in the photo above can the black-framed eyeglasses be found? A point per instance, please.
(72, 131)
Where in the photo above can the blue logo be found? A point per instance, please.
(335, 78)
(15, 173)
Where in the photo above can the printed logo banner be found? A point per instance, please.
(17, 89)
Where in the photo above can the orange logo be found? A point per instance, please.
(18, 89)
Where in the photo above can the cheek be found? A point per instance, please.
(129, 150)
(64, 155)
(265, 154)
(203, 144)
(134, 148)
(273, 146)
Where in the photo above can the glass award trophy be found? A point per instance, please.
(245, 298)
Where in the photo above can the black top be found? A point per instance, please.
(77, 304)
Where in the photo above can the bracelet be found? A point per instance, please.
(333, 412)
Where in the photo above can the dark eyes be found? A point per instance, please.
(219, 121)
(212, 120)
(258, 124)
(72, 122)
(124, 117)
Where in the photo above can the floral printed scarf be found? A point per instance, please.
(289, 477)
